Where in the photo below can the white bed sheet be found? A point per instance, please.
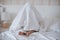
(35, 36)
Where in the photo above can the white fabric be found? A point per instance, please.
(55, 27)
(7, 36)
(34, 36)
(52, 25)
(27, 19)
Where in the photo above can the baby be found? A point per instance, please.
(27, 33)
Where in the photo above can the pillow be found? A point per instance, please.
(55, 27)
(51, 24)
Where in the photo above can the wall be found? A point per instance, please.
(33, 2)
(45, 11)
(49, 9)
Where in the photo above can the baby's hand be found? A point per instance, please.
(21, 33)
(29, 33)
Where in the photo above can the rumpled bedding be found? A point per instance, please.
(51, 34)
(28, 22)
(34, 36)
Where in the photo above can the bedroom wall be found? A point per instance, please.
(47, 12)
(49, 9)
(45, 7)
(33, 2)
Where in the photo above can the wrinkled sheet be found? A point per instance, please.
(29, 21)
(34, 36)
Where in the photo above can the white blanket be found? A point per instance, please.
(34, 36)
(24, 20)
